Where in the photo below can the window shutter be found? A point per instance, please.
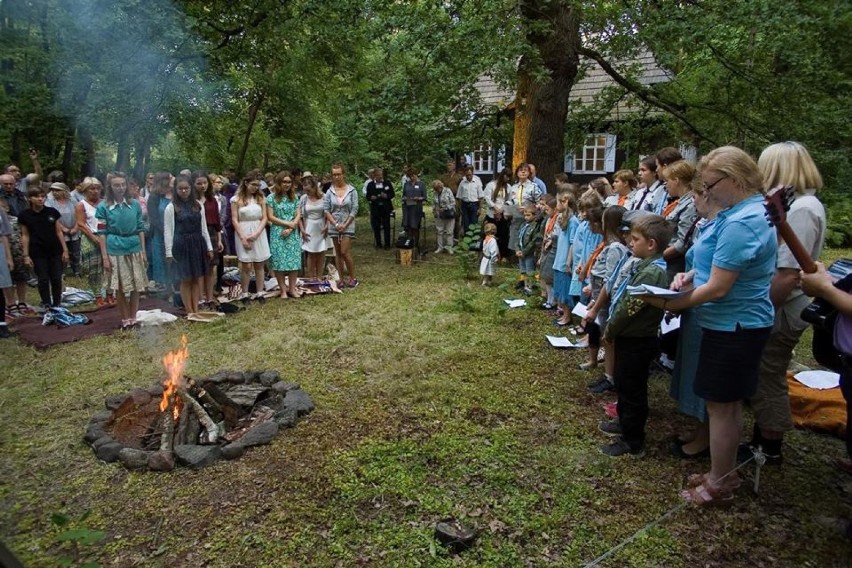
(569, 163)
(609, 153)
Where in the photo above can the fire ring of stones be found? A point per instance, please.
(197, 421)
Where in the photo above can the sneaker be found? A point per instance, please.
(547, 306)
(621, 448)
(610, 427)
(353, 283)
(602, 386)
(438, 250)
(601, 355)
(4, 332)
(527, 291)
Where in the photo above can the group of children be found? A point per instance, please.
(587, 253)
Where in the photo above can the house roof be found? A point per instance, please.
(594, 80)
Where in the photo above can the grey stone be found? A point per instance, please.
(102, 416)
(94, 431)
(197, 456)
(259, 435)
(105, 439)
(236, 377)
(286, 417)
(140, 396)
(217, 378)
(114, 401)
(155, 391)
(109, 451)
(269, 378)
(284, 388)
(252, 376)
(300, 400)
(246, 395)
(161, 461)
(233, 451)
(134, 459)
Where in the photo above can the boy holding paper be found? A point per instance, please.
(632, 328)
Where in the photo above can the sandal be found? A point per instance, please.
(708, 495)
(696, 479)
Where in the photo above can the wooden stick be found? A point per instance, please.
(167, 437)
(203, 417)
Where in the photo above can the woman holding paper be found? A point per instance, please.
(694, 444)
(729, 288)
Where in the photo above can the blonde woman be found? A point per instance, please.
(284, 217)
(249, 218)
(729, 289)
(341, 206)
(90, 247)
(312, 226)
(786, 163)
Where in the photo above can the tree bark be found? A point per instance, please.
(252, 116)
(89, 159)
(68, 152)
(555, 35)
(523, 114)
(122, 155)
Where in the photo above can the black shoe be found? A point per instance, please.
(520, 285)
(4, 332)
(610, 427)
(602, 386)
(621, 448)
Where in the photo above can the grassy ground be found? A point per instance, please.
(432, 401)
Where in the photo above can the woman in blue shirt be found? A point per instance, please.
(729, 288)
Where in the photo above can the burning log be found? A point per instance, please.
(167, 437)
(208, 424)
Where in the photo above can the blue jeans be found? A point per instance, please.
(469, 214)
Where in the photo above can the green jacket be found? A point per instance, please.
(631, 317)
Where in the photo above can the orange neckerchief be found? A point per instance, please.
(594, 256)
(670, 207)
(621, 200)
(550, 224)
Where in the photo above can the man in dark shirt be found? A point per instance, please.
(44, 246)
(380, 196)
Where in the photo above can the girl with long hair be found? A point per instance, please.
(249, 217)
(285, 238)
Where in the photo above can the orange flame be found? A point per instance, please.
(174, 362)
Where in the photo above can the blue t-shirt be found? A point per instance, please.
(121, 223)
(740, 240)
(563, 244)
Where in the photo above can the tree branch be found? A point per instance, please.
(644, 93)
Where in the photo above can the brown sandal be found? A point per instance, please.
(709, 495)
(731, 484)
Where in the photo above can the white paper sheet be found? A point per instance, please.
(646, 289)
(667, 326)
(559, 341)
(516, 303)
(818, 379)
(580, 310)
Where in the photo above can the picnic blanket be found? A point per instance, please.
(105, 321)
(823, 410)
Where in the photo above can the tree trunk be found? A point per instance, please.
(252, 116)
(122, 154)
(89, 159)
(556, 37)
(523, 114)
(68, 152)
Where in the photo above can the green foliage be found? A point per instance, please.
(76, 534)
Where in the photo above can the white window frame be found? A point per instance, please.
(602, 146)
(482, 159)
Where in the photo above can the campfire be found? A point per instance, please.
(194, 421)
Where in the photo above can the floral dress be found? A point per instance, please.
(286, 252)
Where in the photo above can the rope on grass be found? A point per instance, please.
(757, 457)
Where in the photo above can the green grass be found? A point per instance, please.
(432, 401)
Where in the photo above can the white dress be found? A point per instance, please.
(490, 254)
(249, 217)
(313, 213)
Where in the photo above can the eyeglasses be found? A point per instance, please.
(712, 185)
